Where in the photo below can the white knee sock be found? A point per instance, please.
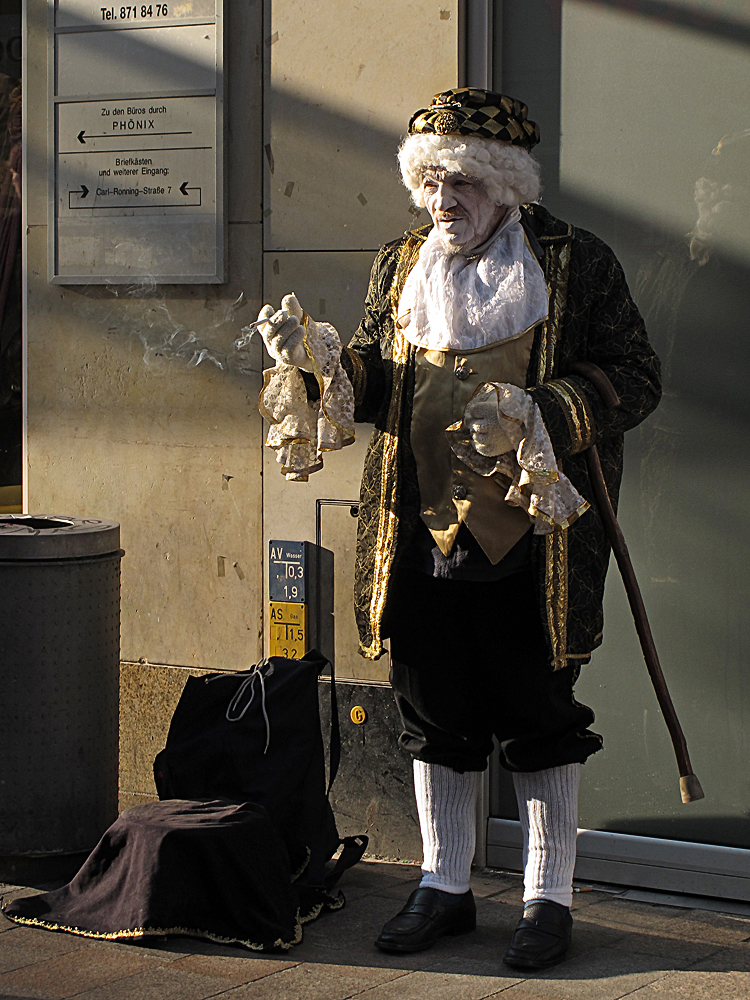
(446, 803)
(548, 809)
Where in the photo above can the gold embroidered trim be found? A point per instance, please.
(407, 258)
(543, 352)
(557, 263)
(588, 432)
(387, 536)
(560, 301)
(480, 350)
(576, 413)
(535, 512)
(333, 903)
(583, 411)
(359, 375)
(576, 514)
(388, 522)
(570, 410)
(142, 932)
(557, 594)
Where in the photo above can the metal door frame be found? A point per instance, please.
(645, 862)
(475, 43)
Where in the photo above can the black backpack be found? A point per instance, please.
(255, 737)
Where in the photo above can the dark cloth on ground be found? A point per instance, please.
(134, 884)
(468, 661)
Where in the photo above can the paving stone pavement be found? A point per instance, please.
(621, 948)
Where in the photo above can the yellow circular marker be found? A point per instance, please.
(358, 715)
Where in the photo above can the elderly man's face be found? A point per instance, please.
(460, 208)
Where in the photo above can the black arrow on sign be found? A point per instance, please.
(184, 189)
(81, 135)
(83, 192)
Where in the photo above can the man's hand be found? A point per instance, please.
(283, 333)
(487, 435)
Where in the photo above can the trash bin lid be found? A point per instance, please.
(36, 536)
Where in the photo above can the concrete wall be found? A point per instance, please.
(121, 427)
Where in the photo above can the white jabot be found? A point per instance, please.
(457, 302)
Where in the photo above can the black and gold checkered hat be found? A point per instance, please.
(481, 113)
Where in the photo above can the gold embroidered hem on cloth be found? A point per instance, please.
(136, 933)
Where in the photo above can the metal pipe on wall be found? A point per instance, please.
(475, 40)
(475, 69)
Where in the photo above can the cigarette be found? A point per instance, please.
(248, 332)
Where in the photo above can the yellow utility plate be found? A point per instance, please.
(287, 630)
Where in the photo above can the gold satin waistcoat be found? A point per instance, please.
(450, 492)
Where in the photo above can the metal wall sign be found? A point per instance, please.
(136, 129)
(288, 566)
(300, 591)
(287, 629)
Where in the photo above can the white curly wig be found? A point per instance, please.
(510, 174)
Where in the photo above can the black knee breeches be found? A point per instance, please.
(469, 661)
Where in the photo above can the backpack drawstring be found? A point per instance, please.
(249, 682)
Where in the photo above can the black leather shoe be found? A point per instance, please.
(542, 936)
(428, 914)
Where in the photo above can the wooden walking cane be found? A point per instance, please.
(690, 787)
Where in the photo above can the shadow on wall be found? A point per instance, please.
(332, 180)
(688, 15)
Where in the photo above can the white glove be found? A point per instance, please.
(283, 333)
(483, 420)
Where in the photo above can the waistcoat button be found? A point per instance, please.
(463, 372)
(459, 492)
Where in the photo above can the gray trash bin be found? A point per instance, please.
(59, 672)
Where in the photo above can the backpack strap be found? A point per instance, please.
(334, 758)
(353, 849)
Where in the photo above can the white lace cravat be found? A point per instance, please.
(457, 302)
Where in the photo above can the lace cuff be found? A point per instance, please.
(537, 485)
(301, 431)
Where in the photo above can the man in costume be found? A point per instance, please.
(475, 502)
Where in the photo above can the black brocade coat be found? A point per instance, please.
(592, 318)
